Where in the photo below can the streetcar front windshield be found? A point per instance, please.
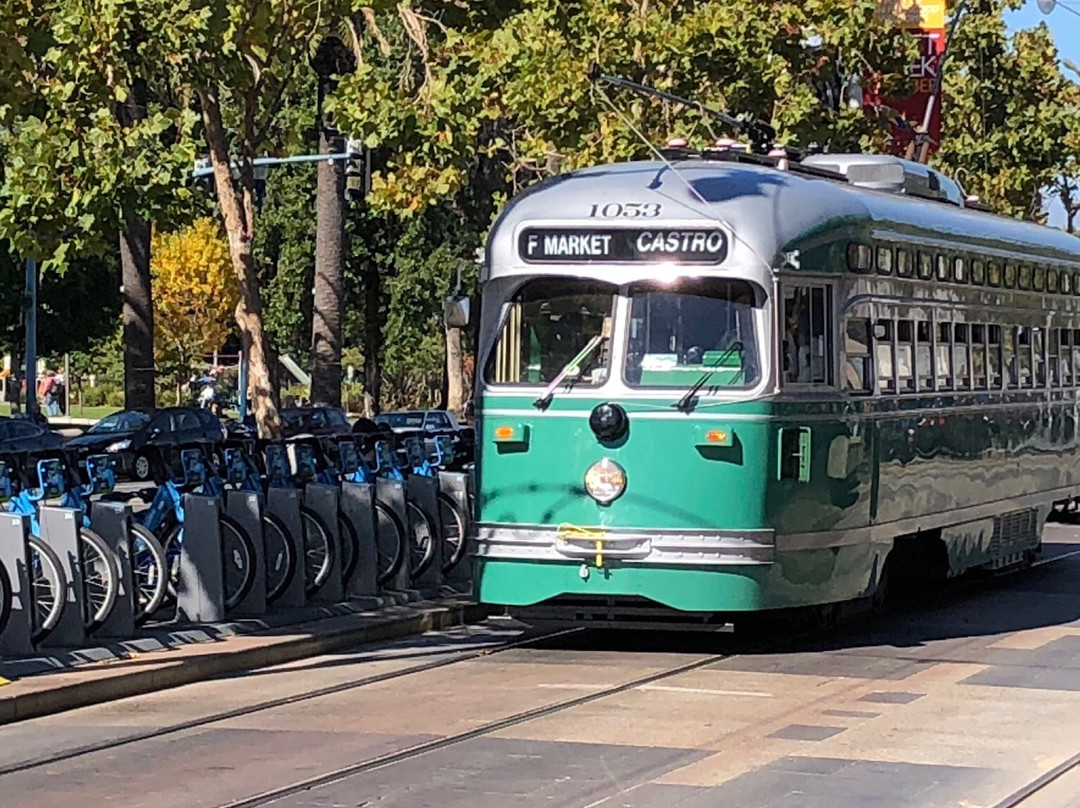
(702, 325)
(549, 323)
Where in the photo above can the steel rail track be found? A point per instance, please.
(283, 701)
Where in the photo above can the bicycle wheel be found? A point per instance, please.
(390, 543)
(101, 578)
(170, 543)
(47, 586)
(350, 546)
(421, 540)
(318, 551)
(280, 558)
(237, 561)
(148, 566)
(5, 598)
(452, 519)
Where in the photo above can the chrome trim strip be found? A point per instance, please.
(659, 546)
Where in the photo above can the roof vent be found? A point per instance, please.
(882, 172)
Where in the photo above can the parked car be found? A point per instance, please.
(21, 435)
(322, 422)
(137, 439)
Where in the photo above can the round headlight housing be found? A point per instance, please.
(605, 481)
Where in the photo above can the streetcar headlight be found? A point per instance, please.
(605, 481)
(119, 446)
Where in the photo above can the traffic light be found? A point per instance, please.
(357, 171)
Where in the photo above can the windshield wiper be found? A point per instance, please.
(686, 403)
(574, 364)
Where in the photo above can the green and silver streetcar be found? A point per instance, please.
(727, 384)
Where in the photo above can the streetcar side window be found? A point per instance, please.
(923, 347)
(993, 350)
(959, 270)
(905, 264)
(1053, 351)
(1052, 285)
(1023, 351)
(807, 335)
(858, 371)
(1010, 276)
(884, 260)
(1024, 278)
(905, 355)
(926, 266)
(1038, 356)
(944, 356)
(1065, 282)
(978, 272)
(1008, 358)
(960, 357)
(993, 274)
(1076, 356)
(978, 355)
(1066, 356)
(942, 267)
(1038, 278)
(883, 347)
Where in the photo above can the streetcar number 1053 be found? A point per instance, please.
(625, 210)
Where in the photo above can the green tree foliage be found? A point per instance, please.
(74, 310)
(445, 86)
(1009, 113)
(71, 171)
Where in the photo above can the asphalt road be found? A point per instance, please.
(960, 700)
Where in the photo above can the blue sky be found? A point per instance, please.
(1066, 27)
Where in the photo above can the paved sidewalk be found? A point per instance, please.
(166, 657)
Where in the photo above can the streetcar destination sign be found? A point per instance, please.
(582, 245)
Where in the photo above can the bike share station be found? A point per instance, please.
(290, 525)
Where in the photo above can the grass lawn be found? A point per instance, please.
(97, 413)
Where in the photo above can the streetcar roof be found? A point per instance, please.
(765, 210)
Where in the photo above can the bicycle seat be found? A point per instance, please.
(277, 464)
(50, 479)
(194, 466)
(99, 470)
(349, 457)
(7, 488)
(444, 450)
(236, 466)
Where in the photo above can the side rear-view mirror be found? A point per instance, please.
(456, 311)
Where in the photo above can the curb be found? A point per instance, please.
(70, 696)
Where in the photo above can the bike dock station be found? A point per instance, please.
(284, 531)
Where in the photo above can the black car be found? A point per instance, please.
(430, 423)
(21, 435)
(322, 422)
(137, 439)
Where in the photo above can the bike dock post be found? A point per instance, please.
(15, 639)
(245, 507)
(357, 505)
(284, 503)
(392, 494)
(60, 530)
(455, 485)
(112, 521)
(323, 499)
(200, 591)
(423, 491)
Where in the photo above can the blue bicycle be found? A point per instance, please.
(148, 562)
(99, 567)
(451, 515)
(240, 473)
(165, 519)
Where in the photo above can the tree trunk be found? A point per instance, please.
(138, 310)
(373, 340)
(238, 211)
(455, 373)
(329, 286)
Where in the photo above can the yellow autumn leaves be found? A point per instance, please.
(195, 293)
